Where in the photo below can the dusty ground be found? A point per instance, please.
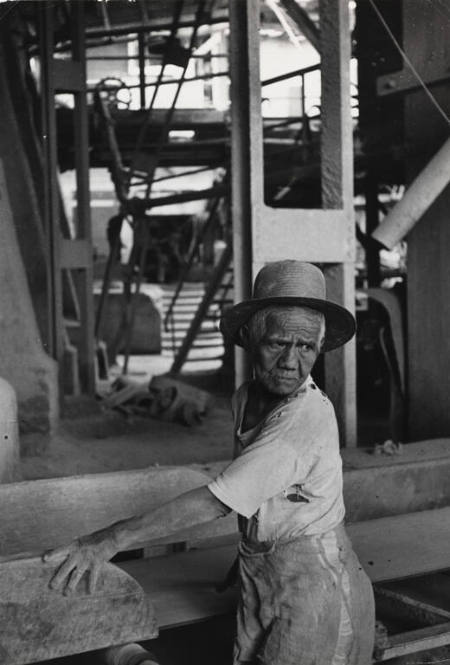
(92, 439)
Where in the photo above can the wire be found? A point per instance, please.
(410, 64)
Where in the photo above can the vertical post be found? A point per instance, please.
(81, 134)
(428, 304)
(141, 56)
(372, 220)
(337, 193)
(246, 140)
(51, 200)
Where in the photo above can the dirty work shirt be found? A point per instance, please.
(304, 598)
(286, 478)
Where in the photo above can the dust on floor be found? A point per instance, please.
(95, 440)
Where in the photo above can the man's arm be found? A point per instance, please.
(88, 553)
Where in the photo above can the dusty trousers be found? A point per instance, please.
(305, 601)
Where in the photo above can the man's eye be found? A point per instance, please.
(304, 348)
(275, 345)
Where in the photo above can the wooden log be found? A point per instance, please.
(38, 623)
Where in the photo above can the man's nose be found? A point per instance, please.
(289, 358)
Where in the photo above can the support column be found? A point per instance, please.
(246, 170)
(337, 193)
(428, 285)
(73, 254)
(324, 236)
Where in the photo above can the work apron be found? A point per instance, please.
(306, 601)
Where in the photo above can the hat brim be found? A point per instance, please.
(340, 323)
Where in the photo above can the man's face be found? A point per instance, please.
(287, 349)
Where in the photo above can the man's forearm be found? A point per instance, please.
(194, 507)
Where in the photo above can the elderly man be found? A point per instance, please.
(304, 598)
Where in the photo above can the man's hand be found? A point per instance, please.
(85, 555)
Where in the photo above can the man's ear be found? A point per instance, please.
(322, 342)
(244, 337)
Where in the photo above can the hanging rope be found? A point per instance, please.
(422, 83)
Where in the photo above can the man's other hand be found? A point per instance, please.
(86, 555)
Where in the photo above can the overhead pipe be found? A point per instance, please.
(419, 196)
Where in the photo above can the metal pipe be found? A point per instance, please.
(137, 28)
(152, 84)
(419, 196)
(288, 75)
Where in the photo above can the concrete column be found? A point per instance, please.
(9, 434)
(23, 361)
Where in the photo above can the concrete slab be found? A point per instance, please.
(381, 485)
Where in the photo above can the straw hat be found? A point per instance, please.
(291, 283)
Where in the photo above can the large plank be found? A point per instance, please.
(40, 514)
(38, 623)
(182, 586)
(404, 545)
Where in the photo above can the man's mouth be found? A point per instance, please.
(286, 377)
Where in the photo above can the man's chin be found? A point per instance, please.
(283, 386)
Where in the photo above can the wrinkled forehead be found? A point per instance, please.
(294, 318)
(285, 320)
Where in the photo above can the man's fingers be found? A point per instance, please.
(93, 577)
(63, 572)
(56, 555)
(74, 578)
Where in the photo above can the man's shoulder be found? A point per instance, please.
(312, 413)
(314, 400)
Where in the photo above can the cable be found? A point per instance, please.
(410, 64)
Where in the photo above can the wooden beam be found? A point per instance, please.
(26, 506)
(83, 278)
(340, 364)
(246, 151)
(414, 641)
(402, 606)
(303, 21)
(337, 193)
(419, 196)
